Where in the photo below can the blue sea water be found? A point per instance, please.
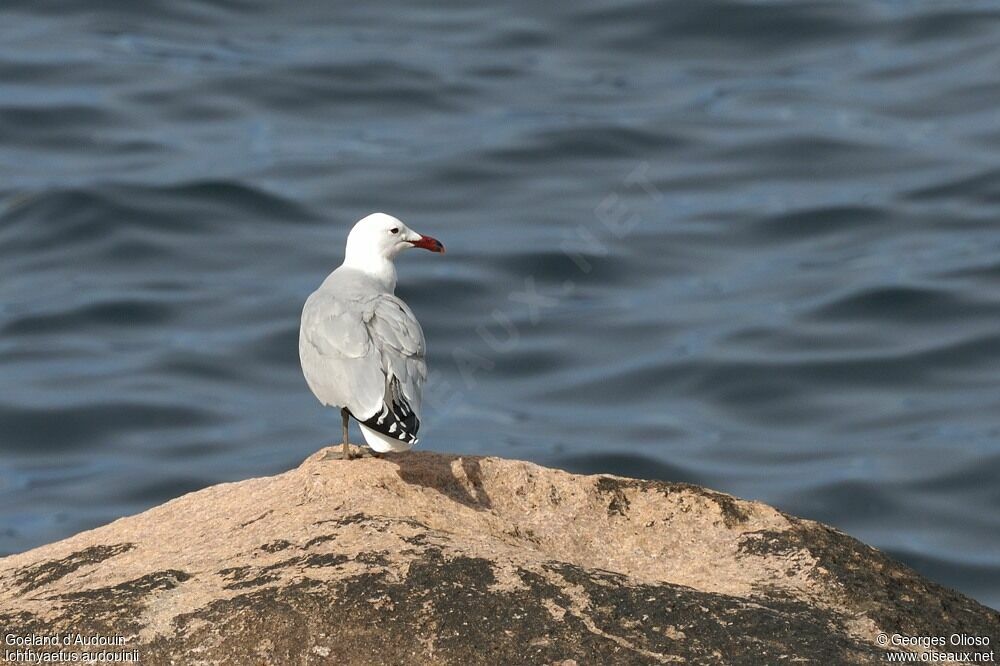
(753, 245)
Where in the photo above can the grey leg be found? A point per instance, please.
(347, 420)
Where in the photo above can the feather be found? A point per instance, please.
(362, 348)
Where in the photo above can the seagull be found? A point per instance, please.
(360, 346)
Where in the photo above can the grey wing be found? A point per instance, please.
(396, 332)
(365, 355)
(341, 365)
(399, 336)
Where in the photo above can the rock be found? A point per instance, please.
(427, 558)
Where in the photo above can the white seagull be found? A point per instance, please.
(360, 346)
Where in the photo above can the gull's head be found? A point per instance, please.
(383, 236)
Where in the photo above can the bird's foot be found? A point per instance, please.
(338, 452)
(354, 451)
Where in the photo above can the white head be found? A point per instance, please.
(377, 239)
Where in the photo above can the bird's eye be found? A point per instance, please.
(394, 230)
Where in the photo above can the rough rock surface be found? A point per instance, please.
(427, 558)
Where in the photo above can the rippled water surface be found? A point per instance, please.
(754, 245)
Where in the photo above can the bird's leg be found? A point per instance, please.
(347, 421)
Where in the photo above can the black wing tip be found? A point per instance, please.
(397, 421)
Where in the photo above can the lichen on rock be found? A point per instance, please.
(427, 558)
